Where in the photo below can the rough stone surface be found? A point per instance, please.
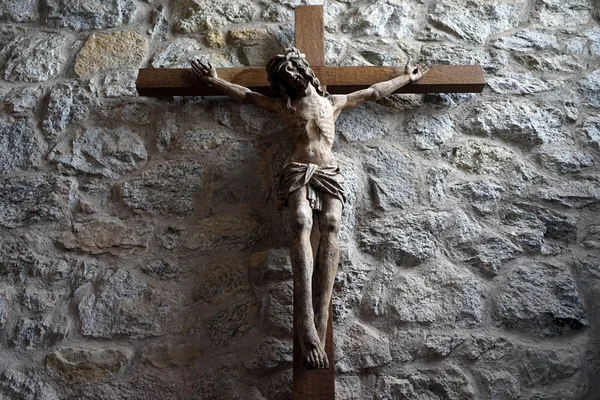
(33, 58)
(200, 15)
(363, 347)
(431, 131)
(591, 128)
(523, 122)
(37, 198)
(382, 18)
(107, 235)
(180, 51)
(20, 147)
(167, 189)
(97, 151)
(106, 51)
(476, 22)
(528, 40)
(520, 84)
(67, 104)
(17, 384)
(363, 124)
(20, 10)
(78, 365)
(88, 14)
(224, 231)
(590, 86)
(563, 13)
(541, 298)
(169, 356)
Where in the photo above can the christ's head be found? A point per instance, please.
(290, 75)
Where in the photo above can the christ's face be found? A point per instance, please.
(293, 79)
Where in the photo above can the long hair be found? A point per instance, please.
(291, 56)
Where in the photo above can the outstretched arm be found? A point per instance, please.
(207, 74)
(378, 90)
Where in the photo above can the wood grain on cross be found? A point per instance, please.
(309, 38)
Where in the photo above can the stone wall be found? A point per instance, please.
(142, 257)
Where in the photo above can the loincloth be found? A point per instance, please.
(318, 180)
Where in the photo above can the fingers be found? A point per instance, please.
(201, 67)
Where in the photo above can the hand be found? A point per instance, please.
(416, 72)
(204, 70)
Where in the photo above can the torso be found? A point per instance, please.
(312, 129)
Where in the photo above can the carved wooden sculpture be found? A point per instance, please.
(312, 186)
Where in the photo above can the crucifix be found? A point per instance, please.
(308, 97)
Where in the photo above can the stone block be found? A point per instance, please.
(475, 22)
(103, 152)
(67, 104)
(540, 298)
(194, 16)
(225, 231)
(268, 353)
(107, 234)
(431, 131)
(564, 161)
(520, 84)
(381, 18)
(22, 101)
(558, 13)
(87, 364)
(164, 356)
(590, 88)
(220, 280)
(86, 15)
(20, 10)
(21, 148)
(34, 57)
(35, 198)
(106, 51)
(361, 347)
(166, 189)
(528, 40)
(14, 383)
(179, 53)
(364, 123)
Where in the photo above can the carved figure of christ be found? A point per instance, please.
(312, 185)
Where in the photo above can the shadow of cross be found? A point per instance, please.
(309, 38)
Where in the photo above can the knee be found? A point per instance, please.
(301, 221)
(330, 222)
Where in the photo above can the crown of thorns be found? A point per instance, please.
(292, 55)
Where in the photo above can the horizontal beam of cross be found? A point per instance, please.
(339, 80)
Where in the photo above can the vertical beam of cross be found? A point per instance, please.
(317, 384)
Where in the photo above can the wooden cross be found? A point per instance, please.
(309, 38)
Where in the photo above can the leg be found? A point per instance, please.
(327, 262)
(302, 264)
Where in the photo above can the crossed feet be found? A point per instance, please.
(312, 348)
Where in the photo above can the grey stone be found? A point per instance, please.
(489, 255)
(541, 367)
(499, 384)
(232, 322)
(20, 10)
(523, 122)
(361, 347)
(23, 100)
(348, 387)
(3, 310)
(528, 40)
(448, 382)
(165, 356)
(225, 231)
(563, 13)
(392, 177)
(442, 346)
(118, 83)
(575, 194)
(87, 364)
(67, 105)
(431, 131)
(199, 15)
(246, 118)
(335, 50)
(364, 123)
(180, 51)
(276, 310)
(268, 353)
(577, 46)
(550, 63)
(476, 22)
(591, 237)
(36, 198)
(161, 269)
(33, 57)
(564, 161)
(533, 224)
(436, 181)
(119, 304)
(20, 148)
(350, 280)
(381, 19)
(39, 299)
(220, 280)
(593, 36)
(591, 128)
(520, 84)
(437, 293)
(166, 189)
(88, 14)
(590, 87)
(445, 54)
(15, 384)
(106, 234)
(40, 332)
(99, 151)
(540, 298)
(270, 265)
(160, 24)
(483, 195)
